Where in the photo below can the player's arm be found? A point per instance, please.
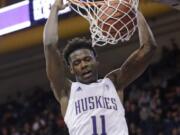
(54, 61)
(138, 61)
(172, 3)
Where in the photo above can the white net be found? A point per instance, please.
(110, 20)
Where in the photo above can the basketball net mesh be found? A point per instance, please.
(90, 10)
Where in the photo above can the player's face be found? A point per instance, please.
(83, 65)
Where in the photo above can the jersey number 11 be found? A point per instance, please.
(102, 117)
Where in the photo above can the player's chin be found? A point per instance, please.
(88, 79)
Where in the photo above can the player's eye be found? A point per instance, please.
(77, 62)
(87, 58)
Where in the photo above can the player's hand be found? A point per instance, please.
(140, 17)
(60, 5)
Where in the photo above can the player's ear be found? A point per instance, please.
(71, 69)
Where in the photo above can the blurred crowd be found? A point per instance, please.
(151, 103)
(154, 111)
(35, 114)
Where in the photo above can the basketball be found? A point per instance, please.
(117, 19)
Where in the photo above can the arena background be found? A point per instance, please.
(23, 81)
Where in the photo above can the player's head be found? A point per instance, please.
(80, 56)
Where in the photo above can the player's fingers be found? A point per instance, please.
(139, 14)
(62, 3)
(65, 5)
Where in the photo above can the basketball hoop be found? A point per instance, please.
(110, 21)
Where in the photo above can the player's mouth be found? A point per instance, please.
(87, 74)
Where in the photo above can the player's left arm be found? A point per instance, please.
(139, 60)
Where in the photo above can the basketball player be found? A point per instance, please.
(92, 106)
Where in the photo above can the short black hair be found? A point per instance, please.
(75, 44)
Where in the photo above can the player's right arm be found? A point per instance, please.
(54, 61)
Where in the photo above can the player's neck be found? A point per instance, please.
(95, 80)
